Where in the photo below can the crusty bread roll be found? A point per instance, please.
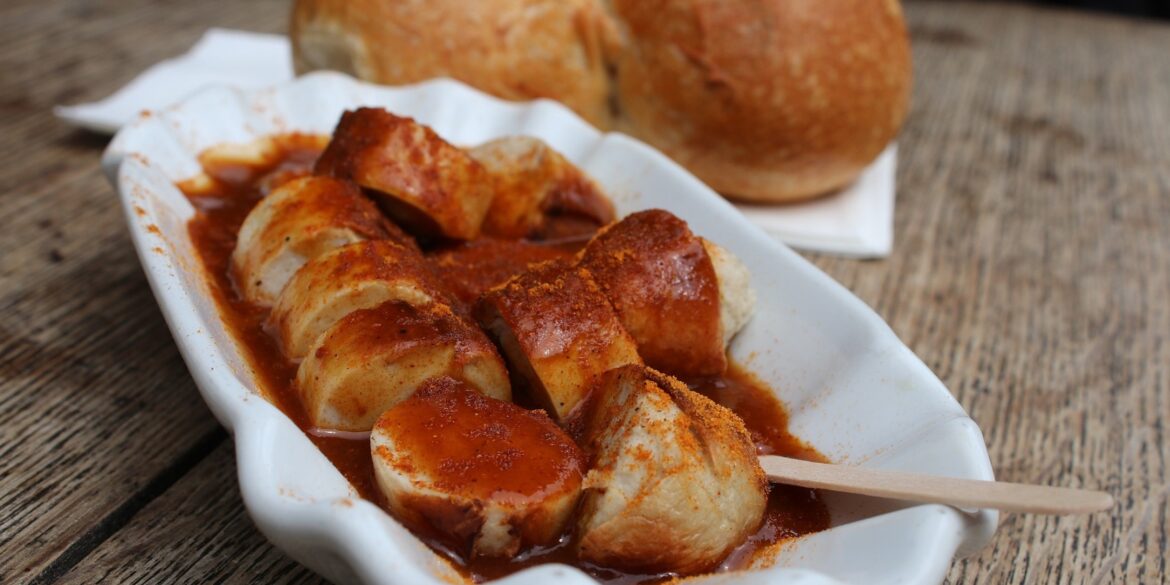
(775, 100)
(765, 100)
(514, 49)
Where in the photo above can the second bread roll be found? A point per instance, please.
(765, 100)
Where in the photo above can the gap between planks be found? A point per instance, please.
(120, 516)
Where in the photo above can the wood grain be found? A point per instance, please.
(1031, 271)
(198, 531)
(100, 415)
(1032, 265)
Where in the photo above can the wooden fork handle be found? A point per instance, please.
(962, 493)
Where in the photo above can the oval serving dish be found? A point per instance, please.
(853, 390)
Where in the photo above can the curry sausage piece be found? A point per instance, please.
(558, 332)
(429, 186)
(681, 302)
(358, 276)
(297, 222)
(487, 475)
(535, 184)
(674, 483)
(374, 358)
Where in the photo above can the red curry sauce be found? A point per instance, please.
(222, 204)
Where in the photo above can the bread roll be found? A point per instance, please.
(513, 49)
(774, 100)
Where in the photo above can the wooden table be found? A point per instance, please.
(1031, 272)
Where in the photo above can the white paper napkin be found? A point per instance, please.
(221, 57)
(858, 221)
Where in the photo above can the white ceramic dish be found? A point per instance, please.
(853, 389)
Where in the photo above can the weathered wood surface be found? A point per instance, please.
(1032, 269)
(99, 415)
(1031, 272)
(196, 531)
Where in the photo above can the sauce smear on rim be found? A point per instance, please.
(224, 201)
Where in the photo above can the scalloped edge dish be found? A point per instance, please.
(853, 390)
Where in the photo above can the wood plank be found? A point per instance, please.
(198, 531)
(100, 413)
(97, 403)
(1031, 268)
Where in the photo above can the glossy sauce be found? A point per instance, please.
(471, 268)
(222, 204)
(470, 444)
(225, 200)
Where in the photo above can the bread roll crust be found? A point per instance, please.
(765, 100)
(513, 49)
